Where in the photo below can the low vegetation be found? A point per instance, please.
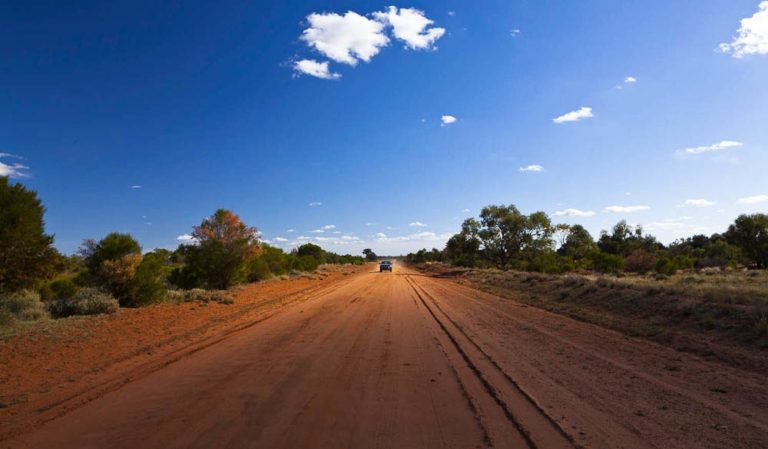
(37, 282)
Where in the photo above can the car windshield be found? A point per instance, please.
(386, 262)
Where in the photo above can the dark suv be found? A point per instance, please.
(385, 265)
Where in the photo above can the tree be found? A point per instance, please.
(311, 250)
(224, 246)
(113, 247)
(750, 234)
(625, 239)
(578, 244)
(369, 255)
(508, 235)
(463, 249)
(26, 251)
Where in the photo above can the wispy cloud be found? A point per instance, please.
(315, 68)
(447, 120)
(281, 239)
(324, 228)
(136, 187)
(411, 26)
(574, 116)
(533, 168)
(720, 146)
(417, 224)
(574, 213)
(425, 236)
(514, 32)
(752, 37)
(699, 203)
(12, 170)
(315, 204)
(756, 199)
(626, 209)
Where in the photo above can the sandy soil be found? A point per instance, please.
(402, 360)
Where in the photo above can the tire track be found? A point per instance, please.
(534, 426)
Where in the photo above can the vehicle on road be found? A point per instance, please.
(385, 265)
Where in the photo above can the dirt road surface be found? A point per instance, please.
(402, 360)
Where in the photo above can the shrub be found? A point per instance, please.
(147, 285)
(665, 266)
(63, 288)
(198, 294)
(258, 270)
(606, 263)
(640, 261)
(24, 305)
(87, 301)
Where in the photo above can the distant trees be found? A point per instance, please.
(503, 237)
(26, 251)
(369, 254)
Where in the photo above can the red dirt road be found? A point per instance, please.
(402, 360)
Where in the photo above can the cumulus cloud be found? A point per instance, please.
(626, 209)
(752, 37)
(756, 199)
(417, 224)
(699, 203)
(720, 146)
(447, 120)
(186, 238)
(532, 168)
(410, 26)
(574, 116)
(315, 204)
(345, 39)
(315, 68)
(416, 237)
(574, 213)
(630, 80)
(381, 235)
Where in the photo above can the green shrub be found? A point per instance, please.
(147, 285)
(665, 266)
(87, 301)
(24, 305)
(606, 263)
(258, 270)
(63, 288)
(200, 295)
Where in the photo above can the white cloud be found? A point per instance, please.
(186, 238)
(410, 25)
(756, 199)
(574, 116)
(630, 80)
(532, 168)
(447, 120)
(13, 170)
(315, 204)
(699, 203)
(290, 230)
(324, 228)
(514, 32)
(752, 38)
(315, 68)
(345, 39)
(381, 235)
(626, 209)
(417, 224)
(451, 13)
(466, 211)
(370, 223)
(137, 187)
(723, 145)
(574, 213)
(280, 239)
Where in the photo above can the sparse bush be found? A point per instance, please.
(200, 295)
(87, 301)
(24, 305)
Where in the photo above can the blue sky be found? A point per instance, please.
(144, 117)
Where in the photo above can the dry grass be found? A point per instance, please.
(692, 311)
